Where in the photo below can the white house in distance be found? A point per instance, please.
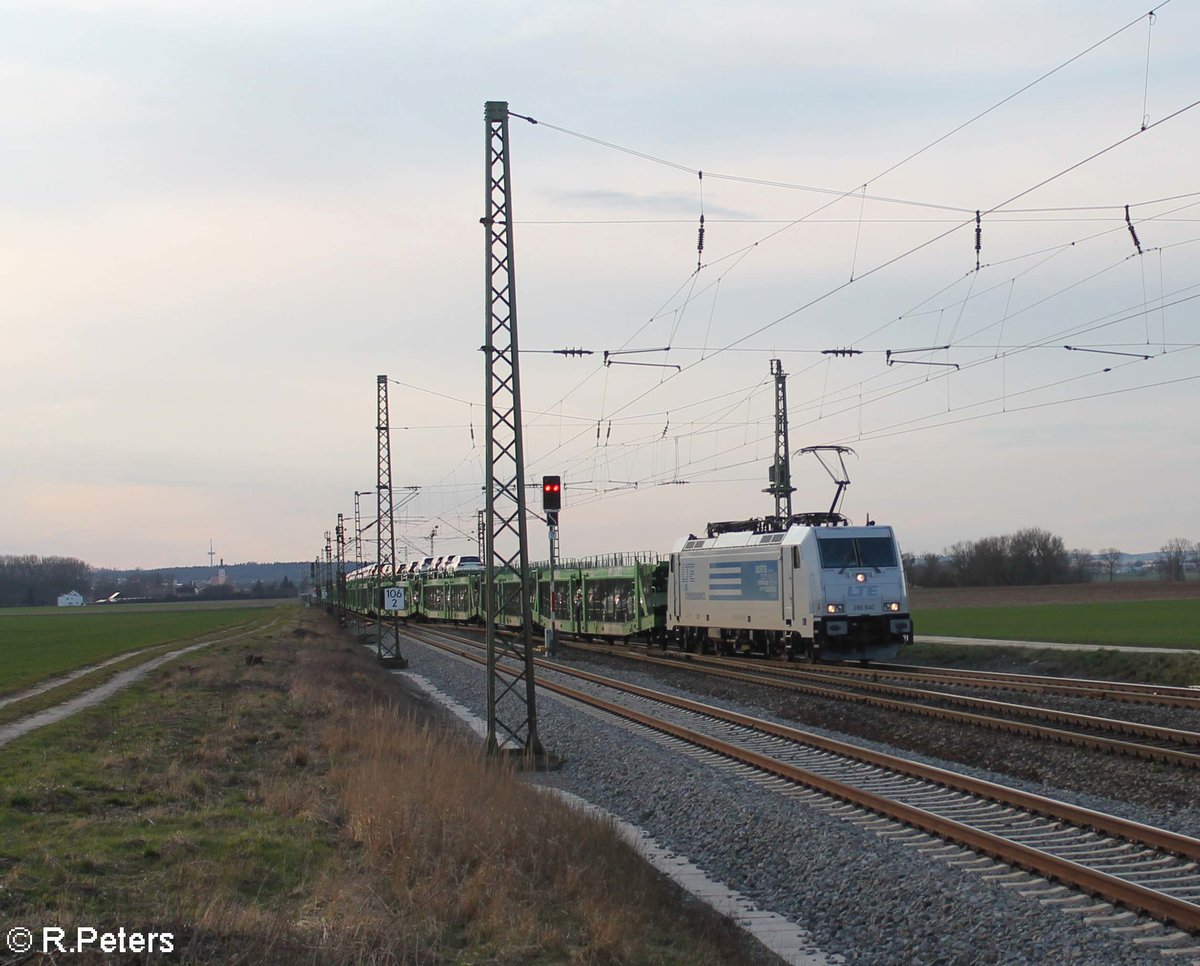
(73, 599)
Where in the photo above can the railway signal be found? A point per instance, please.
(552, 498)
(551, 504)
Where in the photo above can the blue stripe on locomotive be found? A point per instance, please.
(743, 580)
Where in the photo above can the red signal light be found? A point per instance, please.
(551, 492)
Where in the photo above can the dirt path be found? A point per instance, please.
(67, 678)
(22, 726)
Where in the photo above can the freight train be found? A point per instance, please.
(812, 586)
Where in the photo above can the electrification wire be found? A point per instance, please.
(691, 472)
(762, 182)
(907, 427)
(843, 194)
(579, 222)
(1018, 93)
(903, 161)
(738, 342)
(925, 244)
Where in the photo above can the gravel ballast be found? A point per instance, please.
(861, 895)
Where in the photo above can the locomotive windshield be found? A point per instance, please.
(838, 553)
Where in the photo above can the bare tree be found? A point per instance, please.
(1171, 557)
(1110, 557)
(989, 563)
(1081, 560)
(29, 581)
(1193, 556)
(931, 571)
(962, 559)
(1038, 557)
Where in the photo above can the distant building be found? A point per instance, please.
(73, 599)
(221, 579)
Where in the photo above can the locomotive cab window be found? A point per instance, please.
(876, 552)
(838, 553)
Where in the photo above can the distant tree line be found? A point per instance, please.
(1029, 556)
(258, 591)
(1035, 556)
(1176, 556)
(31, 581)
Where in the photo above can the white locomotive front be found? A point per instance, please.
(834, 592)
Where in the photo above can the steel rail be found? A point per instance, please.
(1158, 905)
(1129, 692)
(1074, 814)
(1173, 696)
(1172, 755)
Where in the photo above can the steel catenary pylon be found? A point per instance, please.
(780, 475)
(387, 625)
(511, 701)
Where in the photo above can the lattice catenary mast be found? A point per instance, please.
(340, 534)
(511, 702)
(780, 474)
(328, 571)
(387, 628)
(358, 554)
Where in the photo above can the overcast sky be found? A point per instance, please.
(222, 220)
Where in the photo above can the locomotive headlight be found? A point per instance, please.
(834, 608)
(861, 578)
(892, 605)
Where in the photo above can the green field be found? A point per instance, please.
(1160, 623)
(41, 643)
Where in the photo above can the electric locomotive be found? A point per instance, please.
(817, 588)
(806, 585)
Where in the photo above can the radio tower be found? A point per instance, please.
(387, 627)
(780, 473)
(511, 702)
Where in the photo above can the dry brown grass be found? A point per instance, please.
(308, 810)
(479, 864)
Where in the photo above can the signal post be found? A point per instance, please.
(551, 504)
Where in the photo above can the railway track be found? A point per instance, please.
(1141, 867)
(1124, 691)
(1158, 694)
(1130, 738)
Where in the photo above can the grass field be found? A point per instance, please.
(1161, 623)
(291, 812)
(1180, 669)
(37, 644)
